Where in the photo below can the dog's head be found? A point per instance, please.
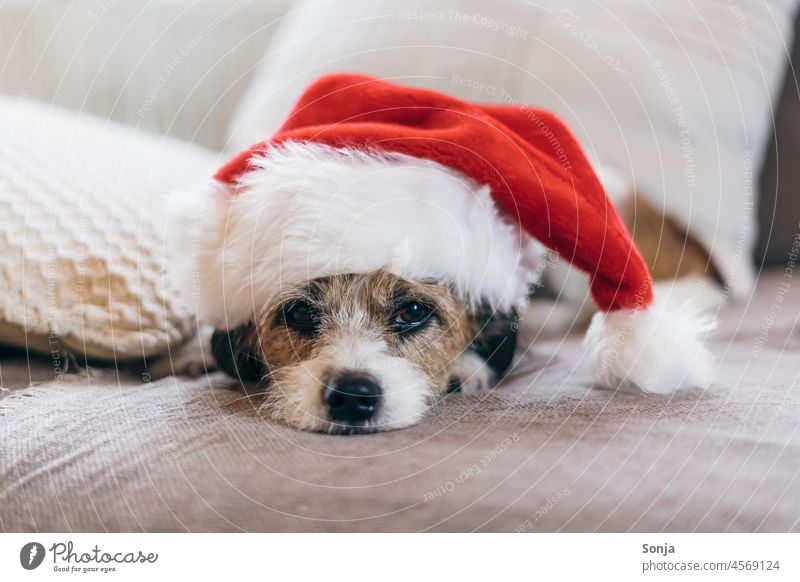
(356, 286)
(364, 352)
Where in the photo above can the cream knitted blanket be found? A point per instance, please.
(83, 209)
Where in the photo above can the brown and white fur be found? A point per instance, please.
(353, 329)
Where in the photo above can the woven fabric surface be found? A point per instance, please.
(541, 452)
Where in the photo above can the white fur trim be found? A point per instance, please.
(308, 210)
(657, 350)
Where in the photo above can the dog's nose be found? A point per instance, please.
(352, 398)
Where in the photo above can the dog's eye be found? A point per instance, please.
(411, 315)
(300, 316)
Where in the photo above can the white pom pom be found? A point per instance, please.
(657, 350)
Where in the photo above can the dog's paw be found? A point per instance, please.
(192, 359)
(471, 374)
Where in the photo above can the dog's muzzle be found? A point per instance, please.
(352, 398)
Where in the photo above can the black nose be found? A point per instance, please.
(352, 398)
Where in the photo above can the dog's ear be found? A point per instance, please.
(236, 354)
(495, 338)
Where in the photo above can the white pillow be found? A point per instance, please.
(175, 67)
(83, 204)
(674, 95)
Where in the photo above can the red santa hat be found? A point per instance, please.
(367, 174)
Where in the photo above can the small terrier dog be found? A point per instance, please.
(372, 256)
(355, 321)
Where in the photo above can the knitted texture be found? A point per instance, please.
(83, 204)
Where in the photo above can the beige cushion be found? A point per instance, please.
(82, 216)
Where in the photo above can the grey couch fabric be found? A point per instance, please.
(543, 451)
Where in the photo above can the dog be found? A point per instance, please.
(369, 352)
(358, 285)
